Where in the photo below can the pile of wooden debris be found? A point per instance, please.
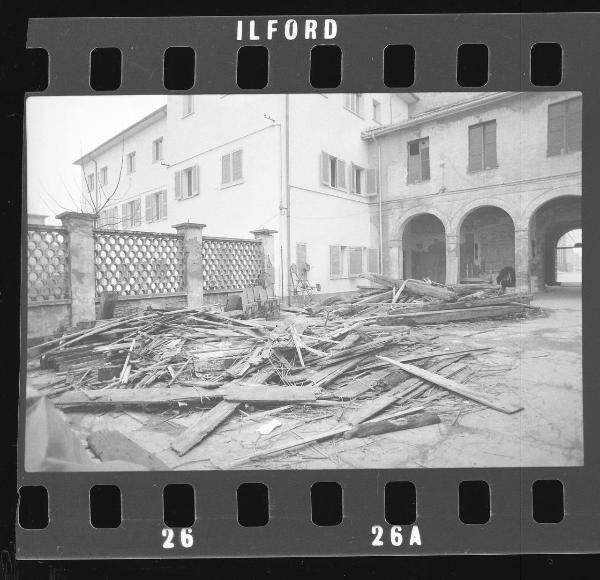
(358, 354)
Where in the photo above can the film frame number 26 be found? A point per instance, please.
(186, 540)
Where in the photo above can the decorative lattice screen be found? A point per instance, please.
(231, 264)
(138, 263)
(47, 264)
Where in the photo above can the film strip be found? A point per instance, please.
(507, 63)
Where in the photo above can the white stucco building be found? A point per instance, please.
(292, 163)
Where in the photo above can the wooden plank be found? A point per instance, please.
(415, 287)
(455, 387)
(387, 426)
(206, 424)
(444, 316)
(150, 395)
(266, 394)
(110, 445)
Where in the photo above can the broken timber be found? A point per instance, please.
(454, 387)
(267, 394)
(415, 287)
(441, 316)
(207, 423)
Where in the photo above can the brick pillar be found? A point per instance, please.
(522, 244)
(452, 259)
(268, 244)
(192, 260)
(82, 269)
(395, 253)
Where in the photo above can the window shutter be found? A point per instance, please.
(573, 123)
(335, 265)
(225, 168)
(475, 148)
(125, 215)
(324, 168)
(178, 185)
(556, 128)
(236, 165)
(163, 199)
(371, 181)
(424, 160)
(195, 179)
(149, 208)
(347, 101)
(115, 217)
(413, 165)
(138, 212)
(489, 135)
(341, 174)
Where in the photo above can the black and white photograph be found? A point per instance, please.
(303, 281)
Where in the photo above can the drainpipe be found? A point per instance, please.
(380, 209)
(287, 197)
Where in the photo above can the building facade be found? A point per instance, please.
(453, 187)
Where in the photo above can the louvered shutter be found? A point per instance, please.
(195, 179)
(125, 215)
(556, 128)
(347, 101)
(573, 123)
(424, 160)
(225, 168)
(115, 217)
(324, 168)
(149, 216)
(371, 181)
(163, 200)
(476, 148)
(138, 212)
(341, 174)
(178, 185)
(335, 263)
(489, 145)
(414, 162)
(236, 165)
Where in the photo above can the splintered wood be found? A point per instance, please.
(358, 355)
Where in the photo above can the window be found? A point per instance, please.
(104, 175)
(333, 171)
(418, 160)
(90, 181)
(373, 260)
(355, 262)
(157, 150)
(231, 168)
(357, 177)
(354, 103)
(131, 162)
(131, 213)
(156, 206)
(335, 261)
(482, 146)
(564, 127)
(188, 105)
(109, 218)
(187, 182)
(376, 111)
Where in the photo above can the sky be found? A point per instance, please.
(59, 130)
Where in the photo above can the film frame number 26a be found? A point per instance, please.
(395, 536)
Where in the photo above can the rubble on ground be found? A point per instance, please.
(353, 363)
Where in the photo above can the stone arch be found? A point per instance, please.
(424, 247)
(463, 212)
(408, 215)
(531, 208)
(486, 241)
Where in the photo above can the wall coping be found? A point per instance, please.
(101, 231)
(39, 303)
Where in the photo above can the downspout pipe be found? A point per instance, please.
(288, 198)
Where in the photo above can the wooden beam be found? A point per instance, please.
(267, 394)
(455, 387)
(443, 316)
(206, 424)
